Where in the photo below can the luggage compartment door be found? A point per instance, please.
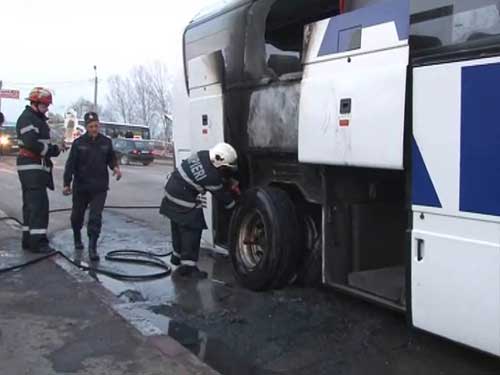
(352, 107)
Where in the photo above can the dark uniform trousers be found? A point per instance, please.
(95, 202)
(186, 243)
(35, 174)
(88, 163)
(35, 216)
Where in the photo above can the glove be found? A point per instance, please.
(235, 187)
(67, 190)
(236, 190)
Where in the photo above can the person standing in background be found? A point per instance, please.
(87, 167)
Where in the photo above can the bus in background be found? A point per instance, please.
(75, 129)
(123, 130)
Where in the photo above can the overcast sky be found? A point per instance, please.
(57, 42)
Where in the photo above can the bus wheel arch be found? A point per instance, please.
(309, 267)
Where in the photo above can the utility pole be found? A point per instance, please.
(96, 82)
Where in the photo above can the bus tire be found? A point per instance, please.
(310, 270)
(264, 239)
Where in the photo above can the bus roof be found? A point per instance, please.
(219, 7)
(81, 122)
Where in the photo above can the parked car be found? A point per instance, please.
(132, 150)
(8, 139)
(162, 150)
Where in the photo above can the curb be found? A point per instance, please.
(168, 347)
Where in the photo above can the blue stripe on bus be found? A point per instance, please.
(480, 140)
(423, 190)
(397, 11)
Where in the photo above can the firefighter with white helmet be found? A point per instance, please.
(35, 169)
(196, 175)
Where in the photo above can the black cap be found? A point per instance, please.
(90, 117)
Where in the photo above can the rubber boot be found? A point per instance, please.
(175, 260)
(38, 246)
(26, 241)
(192, 272)
(93, 256)
(42, 248)
(77, 237)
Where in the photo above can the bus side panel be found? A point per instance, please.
(456, 226)
(456, 280)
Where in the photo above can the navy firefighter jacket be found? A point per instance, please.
(196, 175)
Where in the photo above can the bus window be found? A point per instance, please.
(275, 34)
(284, 40)
(453, 24)
(284, 33)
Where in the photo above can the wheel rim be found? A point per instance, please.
(124, 159)
(252, 240)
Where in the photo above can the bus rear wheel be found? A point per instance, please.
(264, 239)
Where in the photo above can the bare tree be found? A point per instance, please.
(143, 101)
(143, 97)
(120, 98)
(161, 92)
(55, 118)
(82, 106)
(107, 115)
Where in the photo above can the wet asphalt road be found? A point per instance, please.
(140, 186)
(292, 331)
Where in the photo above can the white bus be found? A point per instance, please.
(369, 142)
(75, 128)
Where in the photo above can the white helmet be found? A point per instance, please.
(223, 155)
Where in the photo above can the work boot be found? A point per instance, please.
(192, 272)
(26, 240)
(175, 260)
(93, 256)
(77, 237)
(42, 249)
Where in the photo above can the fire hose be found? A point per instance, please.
(132, 256)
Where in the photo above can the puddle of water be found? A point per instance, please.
(213, 351)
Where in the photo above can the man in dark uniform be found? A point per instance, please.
(35, 169)
(198, 174)
(2, 120)
(87, 166)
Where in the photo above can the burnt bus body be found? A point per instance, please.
(257, 49)
(368, 150)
